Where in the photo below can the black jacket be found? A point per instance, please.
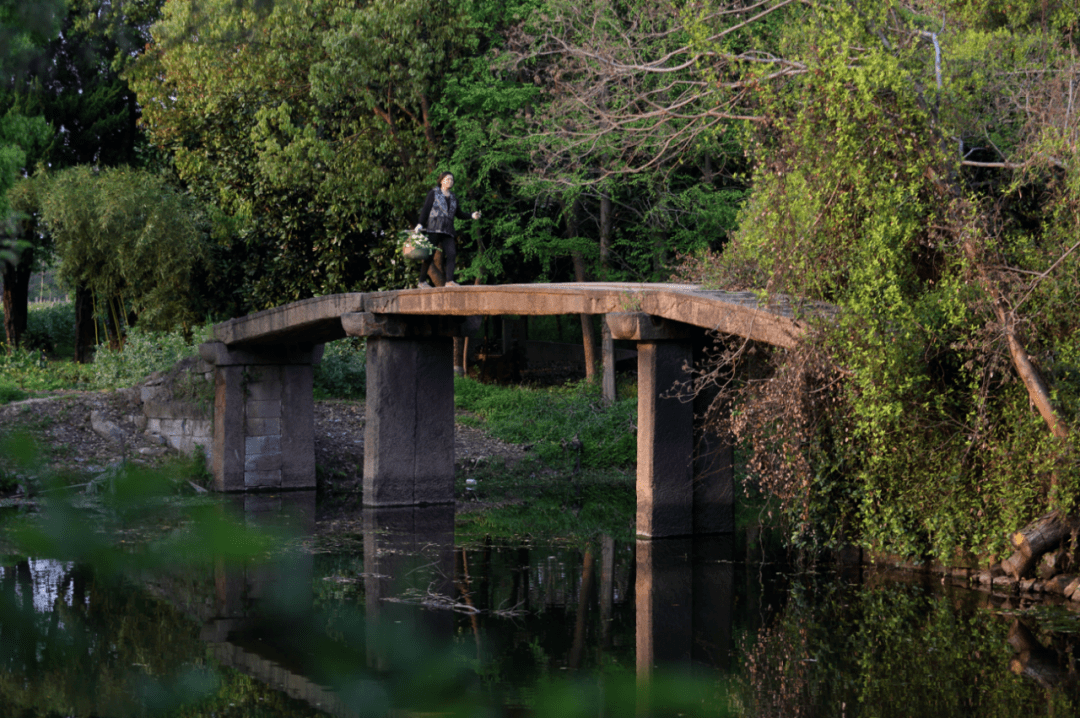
(438, 212)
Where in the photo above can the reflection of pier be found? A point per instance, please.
(424, 591)
(685, 589)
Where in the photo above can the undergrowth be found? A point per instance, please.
(342, 373)
(23, 372)
(143, 353)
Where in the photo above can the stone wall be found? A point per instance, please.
(178, 406)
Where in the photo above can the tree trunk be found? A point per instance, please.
(607, 354)
(85, 329)
(1029, 374)
(17, 297)
(588, 337)
(1034, 540)
(605, 236)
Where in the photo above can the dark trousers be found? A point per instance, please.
(448, 247)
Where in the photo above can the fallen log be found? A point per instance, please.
(1040, 536)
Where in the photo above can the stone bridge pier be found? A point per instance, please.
(264, 416)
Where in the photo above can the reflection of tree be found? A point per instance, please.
(100, 648)
(896, 648)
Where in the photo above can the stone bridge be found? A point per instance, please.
(264, 408)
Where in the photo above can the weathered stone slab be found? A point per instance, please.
(261, 462)
(263, 383)
(297, 427)
(309, 321)
(775, 321)
(228, 454)
(262, 479)
(262, 445)
(366, 324)
(176, 410)
(267, 409)
(263, 427)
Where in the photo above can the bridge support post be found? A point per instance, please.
(264, 417)
(684, 478)
(409, 430)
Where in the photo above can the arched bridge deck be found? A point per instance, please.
(264, 418)
(318, 320)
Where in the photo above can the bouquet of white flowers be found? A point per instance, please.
(415, 244)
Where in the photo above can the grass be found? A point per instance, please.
(552, 420)
(578, 483)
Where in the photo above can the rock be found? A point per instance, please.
(1050, 564)
(104, 428)
(129, 395)
(1072, 588)
(152, 451)
(1057, 583)
(1027, 584)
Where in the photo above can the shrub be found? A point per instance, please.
(50, 327)
(342, 374)
(143, 353)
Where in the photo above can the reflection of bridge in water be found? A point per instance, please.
(680, 592)
(264, 418)
(663, 602)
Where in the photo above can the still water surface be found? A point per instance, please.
(379, 610)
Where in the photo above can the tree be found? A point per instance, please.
(131, 240)
(24, 30)
(912, 164)
(909, 177)
(309, 124)
(63, 68)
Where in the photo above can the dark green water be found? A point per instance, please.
(376, 611)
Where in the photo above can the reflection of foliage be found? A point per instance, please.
(895, 648)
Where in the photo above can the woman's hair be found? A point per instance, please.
(443, 175)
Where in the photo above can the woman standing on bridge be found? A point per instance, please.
(437, 221)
